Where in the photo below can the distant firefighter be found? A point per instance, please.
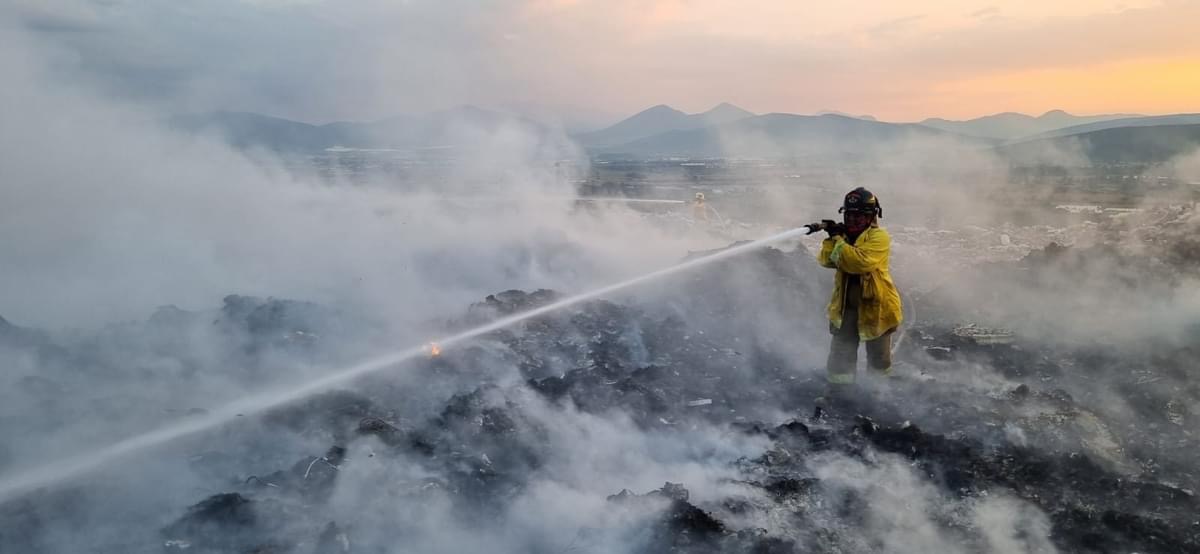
(865, 306)
(699, 208)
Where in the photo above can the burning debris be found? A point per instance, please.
(985, 435)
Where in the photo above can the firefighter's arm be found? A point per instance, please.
(826, 249)
(862, 259)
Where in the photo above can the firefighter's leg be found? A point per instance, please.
(879, 354)
(842, 364)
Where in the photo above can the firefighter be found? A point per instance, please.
(865, 306)
(699, 208)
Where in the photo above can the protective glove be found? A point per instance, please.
(823, 225)
(835, 228)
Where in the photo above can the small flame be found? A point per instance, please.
(434, 350)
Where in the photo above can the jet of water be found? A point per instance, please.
(70, 468)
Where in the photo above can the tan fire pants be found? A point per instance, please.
(842, 366)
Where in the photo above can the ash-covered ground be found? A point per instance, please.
(1043, 402)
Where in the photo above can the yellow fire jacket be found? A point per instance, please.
(880, 310)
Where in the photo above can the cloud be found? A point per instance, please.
(895, 26)
(319, 60)
(307, 60)
(58, 15)
(986, 13)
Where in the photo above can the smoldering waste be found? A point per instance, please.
(973, 432)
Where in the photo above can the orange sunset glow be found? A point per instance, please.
(894, 60)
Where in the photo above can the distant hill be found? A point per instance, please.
(249, 130)
(724, 131)
(1139, 121)
(844, 114)
(456, 127)
(660, 119)
(1143, 144)
(459, 127)
(1010, 125)
(787, 135)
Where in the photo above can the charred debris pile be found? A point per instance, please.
(983, 425)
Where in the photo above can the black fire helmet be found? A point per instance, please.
(861, 200)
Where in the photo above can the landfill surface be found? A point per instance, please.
(680, 417)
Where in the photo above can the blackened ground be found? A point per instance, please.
(735, 350)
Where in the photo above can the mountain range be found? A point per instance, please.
(778, 135)
(461, 127)
(1138, 144)
(723, 131)
(1010, 125)
(660, 119)
(1138, 121)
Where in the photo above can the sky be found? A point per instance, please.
(595, 61)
